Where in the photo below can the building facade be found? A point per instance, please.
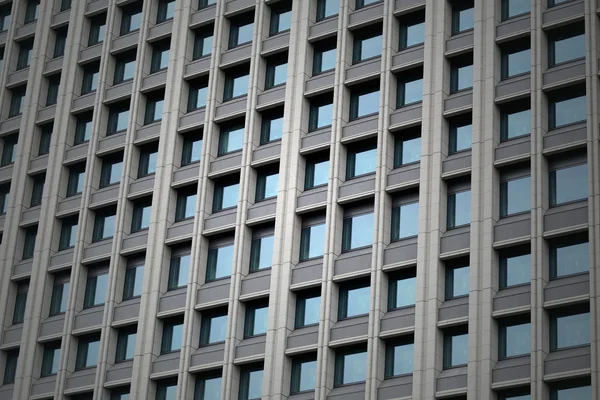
(307, 199)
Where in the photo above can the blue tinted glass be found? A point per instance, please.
(136, 21)
(212, 388)
(164, 59)
(570, 111)
(55, 360)
(122, 120)
(130, 349)
(312, 313)
(409, 220)
(93, 351)
(362, 231)
(415, 34)
(403, 359)
(317, 241)
(413, 91)
(327, 60)
(568, 49)
(460, 349)
(80, 181)
(462, 211)
(518, 62)
(331, 7)
(129, 70)
(190, 205)
(65, 297)
(240, 86)
(285, 21)
(370, 47)
(368, 103)
(196, 150)
(109, 226)
(207, 43)
(201, 100)
(464, 137)
(276, 128)
(245, 33)
(146, 213)
(139, 278)
(280, 74)
(325, 115)
(321, 175)
(518, 269)
(255, 384)
(465, 19)
(572, 330)
(406, 292)
(177, 337)
(271, 183)
(355, 368)
(358, 301)
(230, 195)
(571, 184)
(517, 7)
(171, 392)
(184, 270)
(518, 124)
(411, 150)
(518, 195)
(572, 259)
(261, 320)
(266, 252)
(579, 393)
(152, 157)
(235, 139)
(115, 172)
(224, 261)
(73, 236)
(464, 77)
(518, 340)
(460, 281)
(218, 329)
(308, 375)
(365, 162)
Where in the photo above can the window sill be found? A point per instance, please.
(514, 16)
(515, 285)
(352, 317)
(218, 279)
(462, 296)
(459, 91)
(507, 78)
(554, 128)
(97, 240)
(407, 164)
(317, 20)
(196, 109)
(447, 367)
(401, 106)
(411, 47)
(273, 34)
(229, 153)
(350, 178)
(252, 271)
(567, 203)
(558, 278)
(356, 248)
(577, 346)
(224, 209)
(314, 74)
(305, 326)
(205, 345)
(358, 62)
(238, 45)
(316, 186)
(184, 219)
(339, 385)
(560, 64)
(508, 139)
(353, 119)
(228, 99)
(254, 336)
(318, 128)
(515, 214)
(453, 34)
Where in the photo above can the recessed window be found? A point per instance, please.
(515, 394)
(515, 121)
(456, 347)
(571, 389)
(515, 196)
(463, 16)
(566, 45)
(568, 184)
(567, 108)
(514, 338)
(405, 221)
(361, 160)
(461, 74)
(166, 389)
(97, 30)
(154, 107)
(261, 253)
(160, 56)
(192, 149)
(457, 280)
(412, 30)
(65, 5)
(317, 171)
(350, 366)
(17, 100)
(304, 373)
(76, 180)
(516, 59)
(367, 44)
(515, 268)
(31, 11)
(29, 242)
(10, 367)
(45, 139)
(513, 8)
(50, 359)
(399, 356)
(327, 8)
(354, 299)
(68, 233)
(166, 10)
(276, 72)
(5, 17)
(569, 257)
(131, 19)
(104, 224)
(569, 328)
(179, 270)
(24, 58)
(410, 88)
(460, 134)
(112, 168)
(60, 42)
(208, 386)
(120, 393)
(126, 344)
(271, 126)
(124, 68)
(256, 320)
(312, 241)
(83, 129)
(90, 78)
(88, 350)
(186, 203)
(4, 193)
(241, 30)
(148, 159)
(364, 101)
(407, 148)
(198, 93)
(459, 209)
(231, 138)
(37, 189)
(142, 210)
(213, 327)
(9, 149)
(52, 92)
(324, 54)
(251, 383)
(266, 184)
(363, 3)
(20, 303)
(308, 309)
(357, 232)
(226, 195)
(219, 263)
(96, 287)
(321, 113)
(205, 3)
(60, 294)
(203, 42)
(118, 119)
(402, 289)
(281, 17)
(172, 337)
(134, 276)
(236, 83)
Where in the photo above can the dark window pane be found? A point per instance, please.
(312, 243)
(354, 301)
(402, 291)
(304, 375)
(462, 77)
(405, 221)
(463, 18)
(357, 232)
(412, 32)
(511, 8)
(327, 8)
(461, 136)
(401, 359)
(308, 310)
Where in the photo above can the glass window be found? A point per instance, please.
(251, 383)
(261, 253)
(461, 135)
(317, 172)
(104, 225)
(29, 242)
(197, 95)
(76, 180)
(83, 129)
(50, 359)
(568, 184)
(241, 31)
(256, 319)
(367, 44)
(271, 127)
(192, 150)
(321, 115)
(399, 358)
(266, 185)
(37, 190)
(131, 19)
(516, 60)
(24, 58)
(567, 46)
(213, 327)
(308, 309)
(154, 108)
(304, 374)
(4, 194)
(515, 196)
(186, 204)
(463, 16)
(515, 123)
(276, 74)
(88, 350)
(65, 5)
(118, 119)
(60, 295)
(134, 277)
(512, 8)
(225, 196)
(160, 57)
(412, 30)
(324, 56)
(52, 93)
(120, 394)
(31, 11)
(96, 288)
(410, 90)
(125, 345)
(142, 211)
(60, 42)
(357, 232)
(179, 272)
(514, 339)
(354, 300)
(350, 366)
(111, 172)
(568, 259)
(68, 233)
(405, 221)
(203, 42)
(147, 163)
(235, 85)
(205, 3)
(407, 149)
(166, 390)
(459, 209)
(231, 139)
(208, 387)
(124, 68)
(567, 110)
(569, 329)
(5, 17)
(16, 102)
(327, 8)
(363, 3)
(219, 262)
(571, 390)
(281, 18)
(166, 10)
(312, 242)
(9, 150)
(361, 160)
(457, 281)
(45, 139)
(172, 337)
(402, 289)
(456, 348)
(461, 75)
(364, 103)
(515, 270)
(20, 303)
(10, 367)
(97, 31)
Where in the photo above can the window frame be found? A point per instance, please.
(393, 278)
(344, 296)
(447, 345)
(48, 356)
(296, 374)
(206, 326)
(390, 347)
(338, 376)
(577, 310)
(81, 356)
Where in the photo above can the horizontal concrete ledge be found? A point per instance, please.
(584, 298)
(349, 341)
(205, 367)
(453, 322)
(512, 242)
(450, 393)
(117, 383)
(124, 322)
(570, 374)
(454, 254)
(306, 285)
(397, 332)
(163, 375)
(170, 313)
(512, 311)
(302, 349)
(511, 384)
(211, 304)
(255, 295)
(564, 231)
(248, 360)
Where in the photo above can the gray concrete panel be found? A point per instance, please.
(512, 227)
(232, 107)
(366, 15)
(400, 251)
(251, 347)
(22, 268)
(271, 97)
(118, 92)
(208, 355)
(221, 219)
(348, 392)
(236, 6)
(61, 258)
(197, 67)
(267, 151)
(558, 14)
(303, 337)
(6, 173)
(120, 371)
(188, 173)
(172, 300)
(513, 27)
(323, 28)
(10, 125)
(226, 162)
(112, 142)
(70, 204)
(203, 16)
(402, 318)
(128, 309)
(408, 58)
(53, 325)
(455, 240)
(81, 379)
(17, 78)
(320, 82)
(458, 101)
(514, 297)
(98, 250)
(125, 42)
(160, 31)
(406, 116)
(307, 271)
(513, 148)
(144, 184)
(38, 163)
(360, 127)
(454, 308)
(236, 55)
(356, 186)
(277, 42)
(44, 386)
(105, 195)
(512, 369)
(155, 80)
(192, 119)
(84, 103)
(54, 65)
(214, 291)
(255, 282)
(350, 327)
(364, 69)
(565, 136)
(262, 210)
(459, 43)
(93, 53)
(565, 73)
(166, 362)
(46, 114)
(312, 197)
(316, 140)
(518, 86)
(395, 388)
(456, 162)
(181, 229)
(566, 215)
(353, 261)
(404, 5)
(563, 361)
(89, 318)
(452, 379)
(12, 335)
(95, 7)
(30, 215)
(570, 286)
